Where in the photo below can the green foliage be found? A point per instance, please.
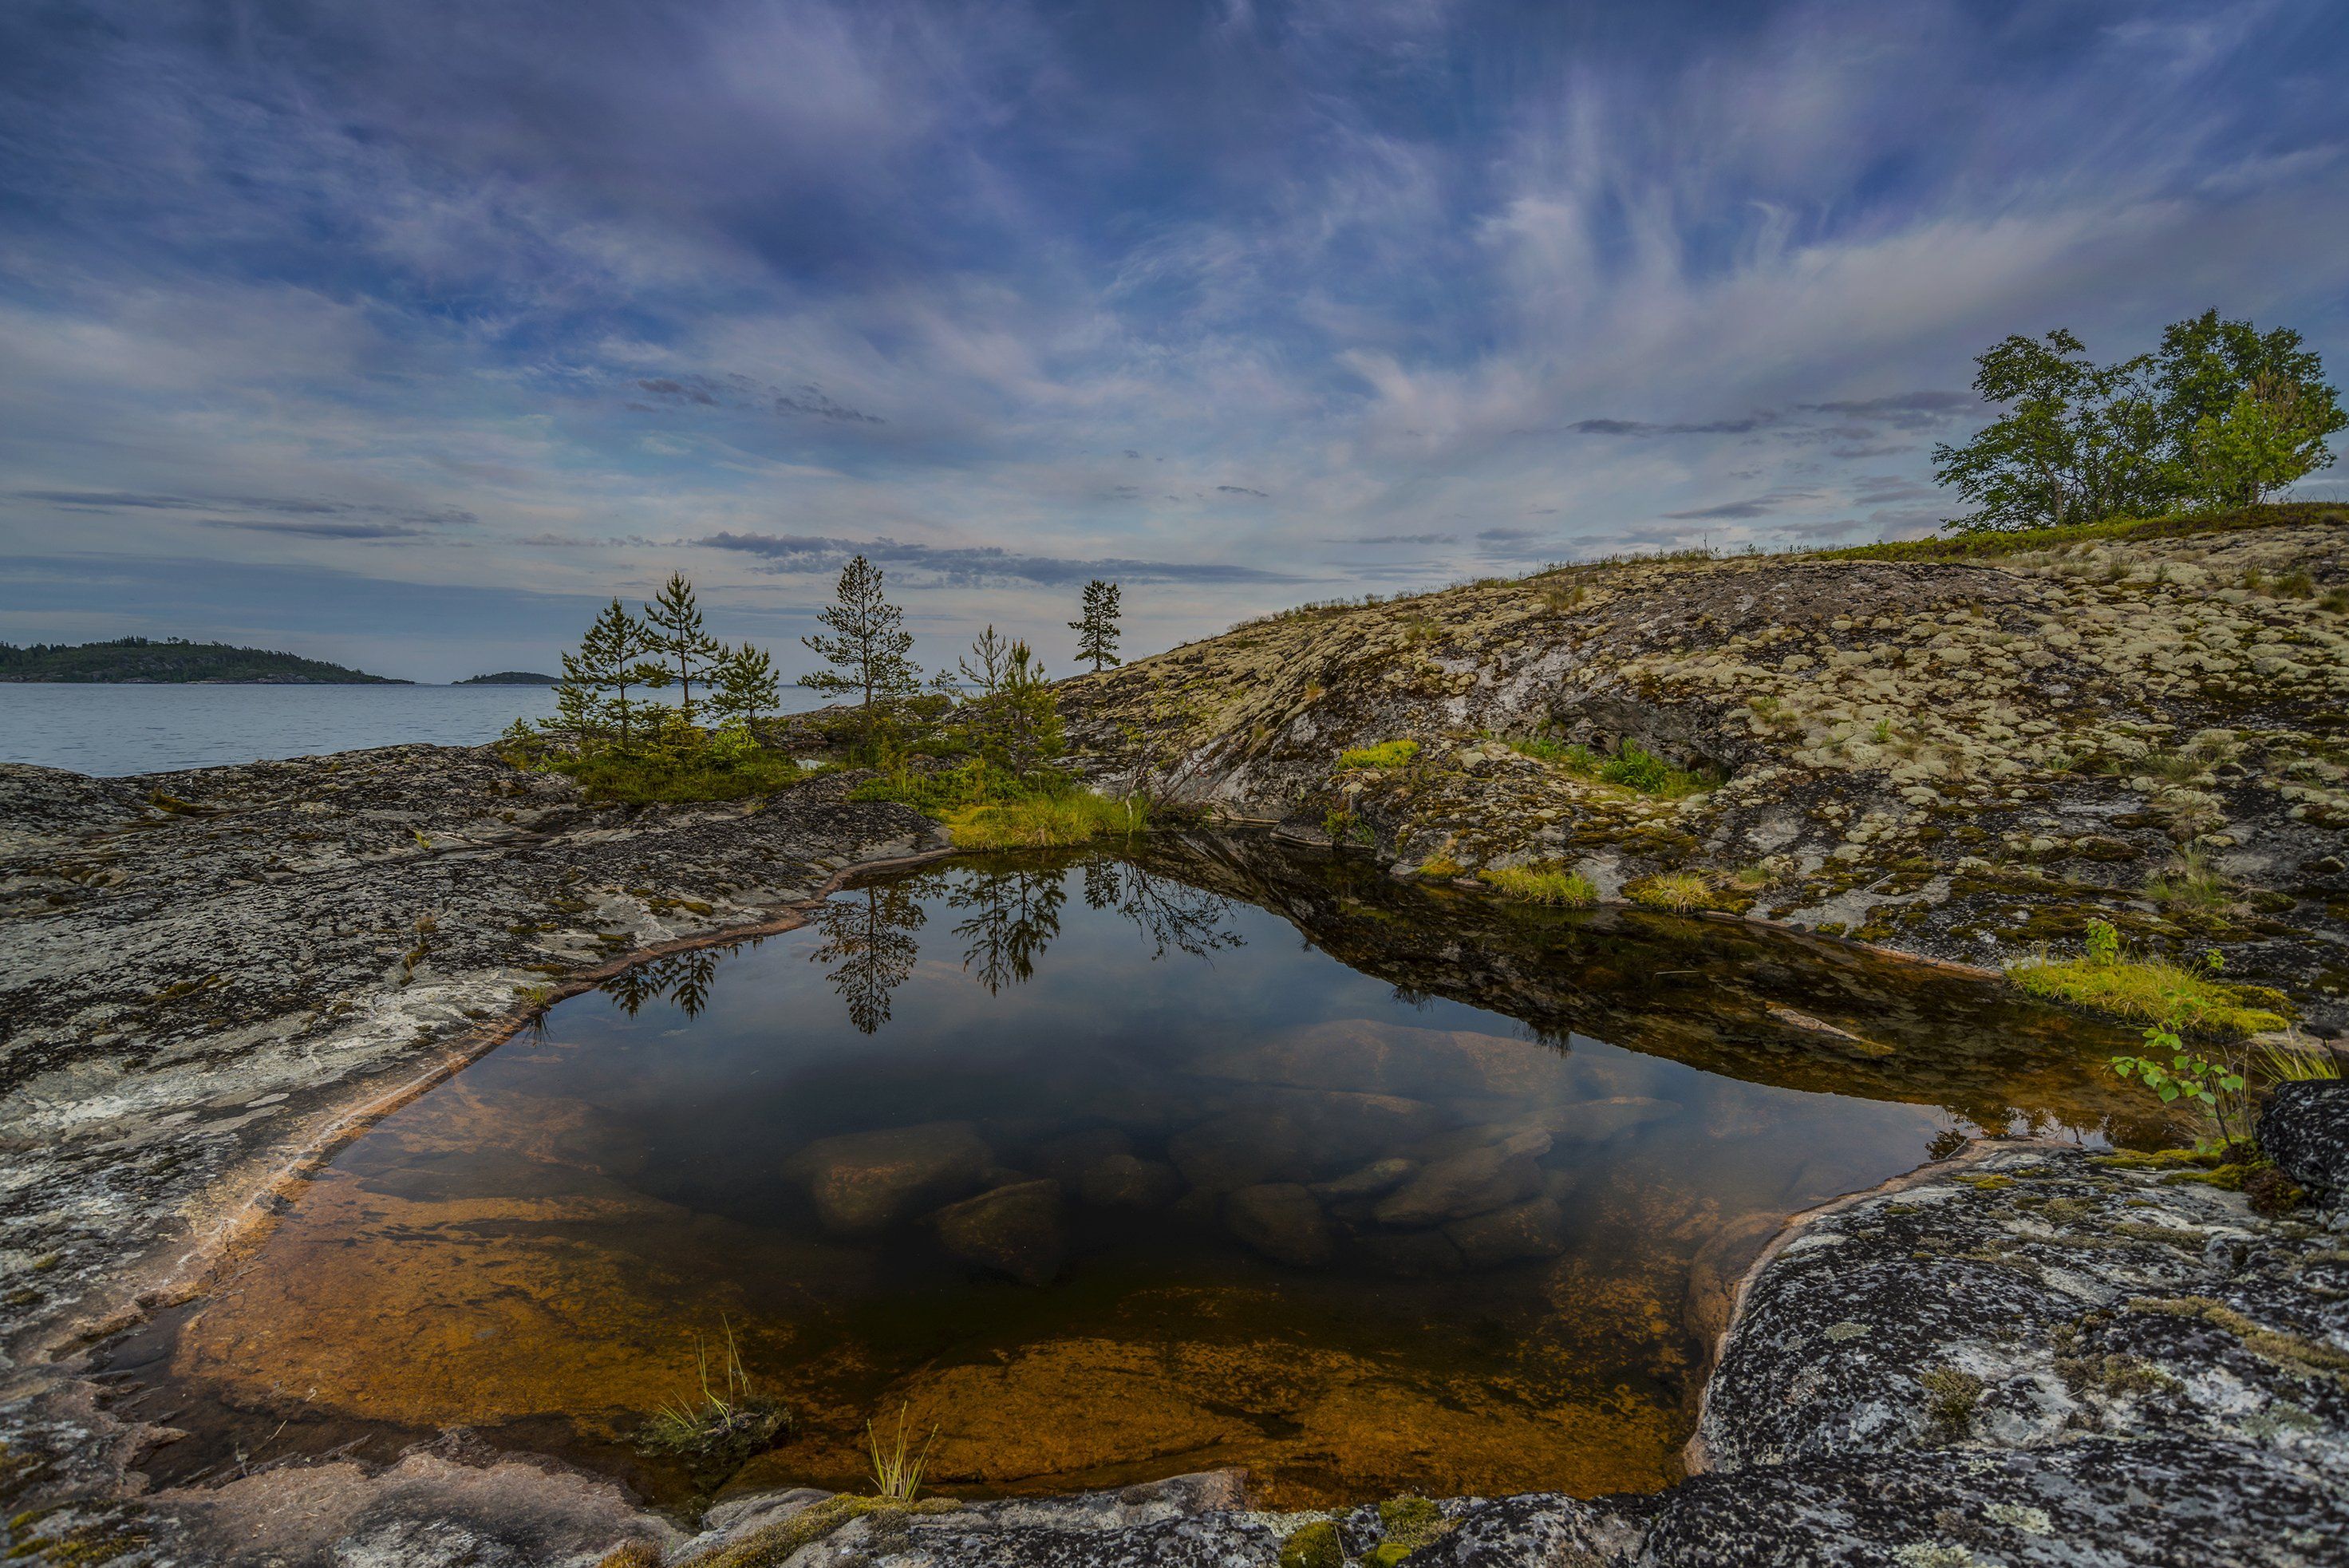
(172, 660)
(1408, 1523)
(868, 648)
(676, 641)
(676, 764)
(2148, 991)
(896, 1471)
(1682, 892)
(2189, 883)
(724, 1425)
(2281, 1064)
(2220, 416)
(1533, 885)
(1047, 822)
(1631, 766)
(746, 686)
(1096, 626)
(1381, 754)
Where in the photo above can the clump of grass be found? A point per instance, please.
(631, 1554)
(2296, 1064)
(1556, 889)
(728, 1423)
(897, 1469)
(624, 778)
(1632, 766)
(1441, 867)
(2151, 990)
(1385, 755)
(1047, 822)
(1679, 891)
(2189, 883)
(1950, 1398)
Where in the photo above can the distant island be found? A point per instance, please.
(136, 660)
(511, 678)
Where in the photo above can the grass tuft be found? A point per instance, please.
(1531, 884)
(1047, 822)
(896, 1469)
(726, 1424)
(1679, 891)
(2149, 991)
(2191, 884)
(1385, 755)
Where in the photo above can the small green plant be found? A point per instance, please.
(1385, 755)
(2147, 992)
(896, 1469)
(2213, 1079)
(1537, 885)
(1441, 868)
(2104, 942)
(1408, 1523)
(2189, 883)
(1679, 891)
(2281, 1064)
(1316, 1544)
(727, 1424)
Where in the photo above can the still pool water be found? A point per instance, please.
(1108, 1170)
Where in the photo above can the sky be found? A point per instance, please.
(405, 335)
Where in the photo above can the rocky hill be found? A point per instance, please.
(1959, 748)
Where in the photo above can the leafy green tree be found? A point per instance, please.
(675, 638)
(2078, 442)
(2221, 415)
(1096, 625)
(746, 685)
(867, 648)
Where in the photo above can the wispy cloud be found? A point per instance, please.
(969, 564)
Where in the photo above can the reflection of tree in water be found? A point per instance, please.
(1170, 914)
(1018, 914)
(869, 941)
(682, 978)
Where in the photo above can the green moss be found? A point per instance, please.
(1950, 1398)
(771, 1546)
(1441, 867)
(1385, 755)
(1047, 822)
(1560, 890)
(1409, 1523)
(2284, 1349)
(1315, 1545)
(2147, 991)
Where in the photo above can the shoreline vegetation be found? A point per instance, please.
(173, 661)
(978, 748)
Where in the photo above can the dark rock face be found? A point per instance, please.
(2304, 1128)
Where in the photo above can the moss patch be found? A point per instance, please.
(2146, 990)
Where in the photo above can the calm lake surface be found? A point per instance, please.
(1109, 1172)
(112, 731)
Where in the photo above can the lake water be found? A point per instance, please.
(1108, 1172)
(112, 731)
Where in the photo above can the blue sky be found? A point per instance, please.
(401, 333)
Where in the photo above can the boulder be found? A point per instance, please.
(1068, 1157)
(1535, 1229)
(1123, 1182)
(2304, 1128)
(865, 1182)
(1012, 1231)
(1465, 1184)
(1295, 1135)
(1281, 1221)
(1592, 1121)
(1372, 1180)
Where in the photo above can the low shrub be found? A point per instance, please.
(648, 778)
(1631, 766)
(1532, 884)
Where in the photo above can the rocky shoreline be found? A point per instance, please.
(213, 979)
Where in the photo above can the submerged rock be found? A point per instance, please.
(1015, 1230)
(1465, 1184)
(1536, 1228)
(864, 1183)
(1281, 1221)
(1295, 1135)
(1125, 1182)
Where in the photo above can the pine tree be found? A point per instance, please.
(609, 661)
(1096, 628)
(675, 637)
(1030, 723)
(867, 652)
(746, 684)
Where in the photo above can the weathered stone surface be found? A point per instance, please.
(1015, 1230)
(2304, 1128)
(1281, 1221)
(1961, 757)
(864, 1183)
